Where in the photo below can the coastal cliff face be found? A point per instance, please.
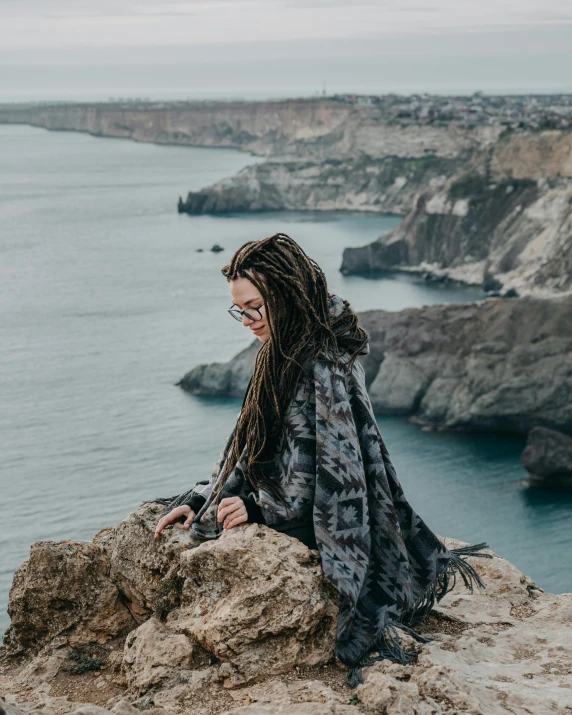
(257, 127)
(384, 186)
(538, 155)
(309, 128)
(245, 624)
(497, 364)
(482, 204)
(504, 222)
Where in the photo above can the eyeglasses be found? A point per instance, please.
(237, 314)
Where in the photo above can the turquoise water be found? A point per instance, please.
(105, 303)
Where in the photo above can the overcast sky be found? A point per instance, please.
(63, 48)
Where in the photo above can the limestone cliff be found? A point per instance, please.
(387, 185)
(504, 221)
(259, 127)
(304, 128)
(245, 625)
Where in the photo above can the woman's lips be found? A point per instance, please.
(257, 330)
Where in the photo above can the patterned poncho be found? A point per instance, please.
(335, 469)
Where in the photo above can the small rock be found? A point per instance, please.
(510, 293)
(154, 652)
(89, 709)
(8, 707)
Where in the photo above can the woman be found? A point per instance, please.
(306, 458)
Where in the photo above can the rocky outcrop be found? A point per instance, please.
(497, 364)
(387, 185)
(246, 624)
(502, 221)
(287, 617)
(548, 458)
(217, 379)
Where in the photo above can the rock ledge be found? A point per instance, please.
(246, 624)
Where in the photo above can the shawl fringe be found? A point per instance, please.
(386, 642)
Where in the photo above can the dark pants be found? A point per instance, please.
(303, 531)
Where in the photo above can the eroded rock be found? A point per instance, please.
(63, 588)
(253, 621)
(154, 653)
(258, 600)
(548, 458)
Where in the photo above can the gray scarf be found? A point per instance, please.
(388, 566)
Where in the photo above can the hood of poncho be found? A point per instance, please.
(347, 338)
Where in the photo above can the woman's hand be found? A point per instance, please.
(173, 516)
(232, 511)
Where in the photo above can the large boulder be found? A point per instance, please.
(254, 602)
(258, 601)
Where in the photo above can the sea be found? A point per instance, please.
(107, 300)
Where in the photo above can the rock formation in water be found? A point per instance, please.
(246, 624)
(548, 458)
(495, 364)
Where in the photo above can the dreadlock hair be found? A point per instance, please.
(295, 292)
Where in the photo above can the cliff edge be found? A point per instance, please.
(246, 624)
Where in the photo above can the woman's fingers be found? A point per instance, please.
(171, 517)
(232, 511)
(235, 520)
(227, 506)
(228, 500)
(161, 524)
(189, 520)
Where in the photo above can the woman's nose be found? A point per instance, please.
(247, 321)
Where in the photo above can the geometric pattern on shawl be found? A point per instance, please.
(389, 567)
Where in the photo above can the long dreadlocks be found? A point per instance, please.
(295, 292)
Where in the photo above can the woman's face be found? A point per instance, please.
(245, 295)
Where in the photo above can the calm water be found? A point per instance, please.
(105, 303)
